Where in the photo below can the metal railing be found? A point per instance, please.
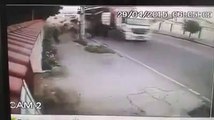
(26, 97)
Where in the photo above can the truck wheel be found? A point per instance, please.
(105, 31)
(122, 36)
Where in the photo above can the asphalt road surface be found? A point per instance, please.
(109, 84)
(186, 62)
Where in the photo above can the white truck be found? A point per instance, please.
(129, 28)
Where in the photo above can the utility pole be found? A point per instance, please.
(82, 23)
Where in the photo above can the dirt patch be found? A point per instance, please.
(56, 101)
(55, 98)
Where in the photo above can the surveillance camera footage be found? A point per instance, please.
(143, 61)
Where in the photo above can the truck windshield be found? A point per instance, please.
(132, 21)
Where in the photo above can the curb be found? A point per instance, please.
(184, 38)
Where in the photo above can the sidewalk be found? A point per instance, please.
(196, 40)
(108, 84)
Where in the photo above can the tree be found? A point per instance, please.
(43, 12)
(191, 26)
(18, 14)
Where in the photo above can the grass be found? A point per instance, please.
(13, 118)
(98, 49)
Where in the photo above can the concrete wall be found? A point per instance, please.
(207, 34)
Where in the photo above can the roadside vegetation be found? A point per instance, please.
(49, 52)
(81, 42)
(48, 55)
(191, 26)
(98, 49)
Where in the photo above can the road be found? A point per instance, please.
(186, 62)
(109, 84)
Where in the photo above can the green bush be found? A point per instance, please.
(191, 26)
(81, 42)
(48, 55)
(52, 32)
(98, 49)
(48, 32)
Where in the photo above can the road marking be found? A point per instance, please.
(194, 92)
(157, 72)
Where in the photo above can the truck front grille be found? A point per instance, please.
(139, 31)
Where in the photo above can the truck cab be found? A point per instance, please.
(135, 29)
